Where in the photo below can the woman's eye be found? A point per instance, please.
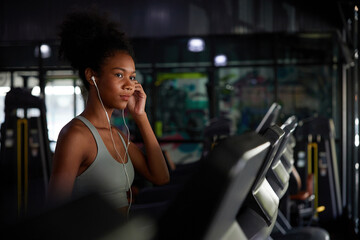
(119, 75)
(132, 78)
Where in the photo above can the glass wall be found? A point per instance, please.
(63, 97)
(245, 93)
(187, 88)
(187, 85)
(306, 90)
(63, 101)
(182, 105)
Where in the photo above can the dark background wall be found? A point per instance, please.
(38, 20)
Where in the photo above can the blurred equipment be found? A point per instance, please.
(25, 156)
(89, 217)
(316, 140)
(206, 207)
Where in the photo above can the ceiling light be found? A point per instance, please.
(196, 45)
(220, 60)
(45, 51)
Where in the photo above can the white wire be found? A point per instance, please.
(126, 152)
(128, 131)
(126, 147)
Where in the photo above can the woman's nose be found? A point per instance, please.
(129, 85)
(129, 88)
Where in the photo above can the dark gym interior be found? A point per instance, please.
(254, 104)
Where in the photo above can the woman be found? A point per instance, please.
(91, 155)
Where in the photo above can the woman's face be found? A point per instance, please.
(117, 80)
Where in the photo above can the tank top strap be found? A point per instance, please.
(99, 142)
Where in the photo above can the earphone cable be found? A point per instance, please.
(126, 147)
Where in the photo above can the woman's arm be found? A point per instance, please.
(66, 163)
(153, 167)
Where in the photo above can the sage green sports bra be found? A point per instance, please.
(105, 176)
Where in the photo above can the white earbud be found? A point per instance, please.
(93, 78)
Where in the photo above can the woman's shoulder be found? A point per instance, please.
(75, 130)
(73, 147)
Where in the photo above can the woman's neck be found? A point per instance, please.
(97, 116)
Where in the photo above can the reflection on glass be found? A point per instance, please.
(245, 95)
(182, 106)
(305, 90)
(182, 112)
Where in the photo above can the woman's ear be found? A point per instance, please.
(90, 76)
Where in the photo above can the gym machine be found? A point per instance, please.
(24, 157)
(315, 155)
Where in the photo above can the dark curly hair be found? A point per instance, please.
(88, 38)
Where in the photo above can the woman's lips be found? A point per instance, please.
(124, 97)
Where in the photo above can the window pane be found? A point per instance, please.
(60, 97)
(186, 110)
(4, 88)
(245, 95)
(305, 90)
(182, 112)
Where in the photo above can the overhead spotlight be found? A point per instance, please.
(220, 60)
(196, 45)
(45, 51)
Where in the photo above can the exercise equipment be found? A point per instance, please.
(88, 217)
(25, 156)
(316, 141)
(258, 214)
(269, 119)
(152, 201)
(206, 207)
(279, 173)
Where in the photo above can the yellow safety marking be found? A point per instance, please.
(21, 122)
(313, 151)
(309, 157)
(316, 176)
